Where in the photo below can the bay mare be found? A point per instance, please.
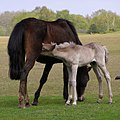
(76, 55)
(25, 46)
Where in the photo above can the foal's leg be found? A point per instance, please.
(99, 77)
(74, 75)
(108, 79)
(72, 83)
(70, 86)
(23, 95)
(42, 82)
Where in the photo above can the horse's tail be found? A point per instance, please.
(16, 51)
(106, 53)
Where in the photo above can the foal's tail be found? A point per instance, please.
(106, 53)
(16, 51)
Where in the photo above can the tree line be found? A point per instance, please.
(100, 21)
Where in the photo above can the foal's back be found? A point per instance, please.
(81, 55)
(75, 54)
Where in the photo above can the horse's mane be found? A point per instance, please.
(65, 44)
(70, 24)
(74, 32)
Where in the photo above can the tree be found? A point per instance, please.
(63, 14)
(80, 22)
(93, 29)
(5, 19)
(46, 14)
(104, 20)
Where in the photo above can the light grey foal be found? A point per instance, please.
(76, 55)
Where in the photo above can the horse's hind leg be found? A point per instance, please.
(47, 69)
(23, 95)
(99, 77)
(108, 79)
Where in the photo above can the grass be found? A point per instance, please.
(51, 101)
(53, 108)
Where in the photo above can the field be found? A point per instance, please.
(51, 104)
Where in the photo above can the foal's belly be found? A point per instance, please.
(86, 61)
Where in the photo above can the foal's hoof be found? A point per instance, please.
(110, 103)
(74, 103)
(99, 101)
(35, 103)
(67, 103)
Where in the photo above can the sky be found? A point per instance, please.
(82, 7)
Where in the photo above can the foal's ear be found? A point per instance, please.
(46, 46)
(43, 44)
(53, 44)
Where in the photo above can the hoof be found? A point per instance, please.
(35, 103)
(117, 78)
(67, 103)
(21, 106)
(81, 99)
(27, 105)
(74, 103)
(99, 101)
(110, 103)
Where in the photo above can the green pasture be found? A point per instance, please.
(51, 104)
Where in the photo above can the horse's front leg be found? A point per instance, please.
(43, 80)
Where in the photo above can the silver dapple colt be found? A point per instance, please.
(76, 55)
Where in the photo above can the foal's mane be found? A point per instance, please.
(65, 45)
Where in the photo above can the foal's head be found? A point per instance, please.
(48, 47)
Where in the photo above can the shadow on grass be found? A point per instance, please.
(50, 100)
(44, 101)
(12, 101)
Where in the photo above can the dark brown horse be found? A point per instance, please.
(25, 46)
